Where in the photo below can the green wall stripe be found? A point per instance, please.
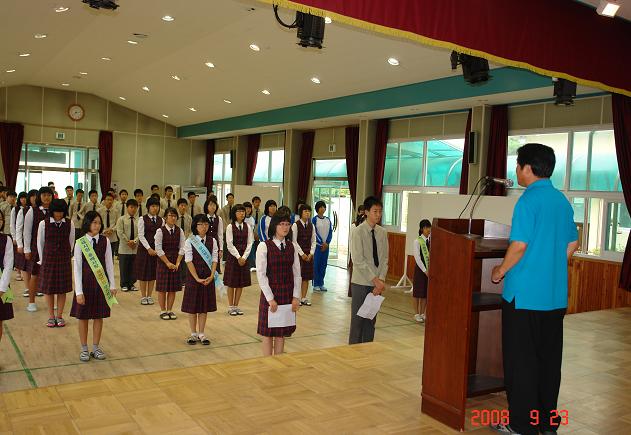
(448, 88)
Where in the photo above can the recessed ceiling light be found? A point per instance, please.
(265, 91)
(315, 80)
(129, 41)
(328, 20)
(210, 64)
(168, 18)
(61, 9)
(393, 61)
(178, 78)
(145, 88)
(39, 35)
(192, 109)
(106, 58)
(255, 47)
(65, 84)
(123, 98)
(165, 116)
(227, 101)
(83, 73)
(24, 54)
(608, 8)
(10, 70)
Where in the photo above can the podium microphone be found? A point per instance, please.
(507, 182)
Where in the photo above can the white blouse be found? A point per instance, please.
(159, 237)
(417, 255)
(141, 231)
(294, 238)
(188, 249)
(261, 270)
(41, 237)
(219, 228)
(28, 229)
(78, 265)
(8, 266)
(230, 241)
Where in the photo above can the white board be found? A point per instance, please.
(430, 205)
(246, 193)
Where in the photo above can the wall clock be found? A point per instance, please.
(76, 112)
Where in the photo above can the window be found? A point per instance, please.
(591, 182)
(418, 166)
(222, 177)
(269, 167)
(64, 166)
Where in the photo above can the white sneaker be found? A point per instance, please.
(31, 308)
(150, 300)
(317, 289)
(25, 293)
(418, 318)
(323, 289)
(125, 289)
(40, 294)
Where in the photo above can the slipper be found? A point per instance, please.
(165, 316)
(172, 315)
(51, 323)
(191, 340)
(203, 339)
(61, 322)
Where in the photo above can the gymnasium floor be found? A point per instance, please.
(153, 382)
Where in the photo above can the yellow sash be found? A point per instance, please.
(97, 269)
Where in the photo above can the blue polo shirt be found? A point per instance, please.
(543, 219)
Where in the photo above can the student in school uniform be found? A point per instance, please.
(138, 196)
(370, 265)
(359, 219)
(239, 241)
(169, 242)
(91, 205)
(304, 239)
(5, 208)
(256, 214)
(193, 209)
(31, 200)
(127, 232)
(69, 199)
(225, 213)
(11, 202)
(110, 216)
(249, 219)
(21, 208)
(201, 257)
(168, 200)
(264, 223)
(6, 256)
(90, 302)
(155, 189)
(278, 273)
(324, 234)
(31, 224)
(75, 208)
(184, 221)
(122, 202)
(215, 230)
(55, 241)
(146, 256)
(421, 270)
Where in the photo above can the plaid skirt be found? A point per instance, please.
(306, 270)
(235, 276)
(55, 279)
(282, 297)
(198, 298)
(20, 261)
(144, 265)
(167, 280)
(95, 305)
(6, 311)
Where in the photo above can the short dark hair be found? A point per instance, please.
(256, 198)
(87, 221)
(283, 209)
(172, 211)
(23, 195)
(230, 194)
(298, 204)
(69, 187)
(182, 201)
(32, 193)
(303, 207)
(80, 191)
(111, 189)
(276, 219)
(42, 191)
(132, 202)
(153, 201)
(197, 219)
(235, 209)
(268, 204)
(154, 185)
(138, 192)
(51, 183)
(247, 204)
(425, 223)
(371, 201)
(12, 193)
(361, 208)
(319, 205)
(93, 191)
(123, 190)
(540, 158)
(58, 205)
(166, 189)
(3, 189)
(210, 199)
(189, 194)
(109, 195)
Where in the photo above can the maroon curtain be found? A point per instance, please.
(552, 38)
(210, 164)
(498, 147)
(381, 143)
(11, 138)
(304, 168)
(352, 151)
(621, 108)
(106, 145)
(464, 174)
(254, 141)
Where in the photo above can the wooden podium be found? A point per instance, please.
(463, 330)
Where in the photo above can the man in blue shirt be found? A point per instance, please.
(543, 238)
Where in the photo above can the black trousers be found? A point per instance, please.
(126, 265)
(532, 344)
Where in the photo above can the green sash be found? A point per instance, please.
(424, 251)
(97, 269)
(8, 296)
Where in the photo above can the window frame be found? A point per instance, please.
(269, 181)
(219, 184)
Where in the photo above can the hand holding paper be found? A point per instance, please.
(371, 306)
(284, 316)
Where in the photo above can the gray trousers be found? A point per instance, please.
(362, 330)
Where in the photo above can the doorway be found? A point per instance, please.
(337, 197)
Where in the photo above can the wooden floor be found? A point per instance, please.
(153, 382)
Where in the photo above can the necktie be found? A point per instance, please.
(131, 235)
(375, 255)
(172, 231)
(140, 208)
(282, 247)
(240, 228)
(154, 220)
(93, 209)
(45, 212)
(107, 219)
(168, 203)
(94, 242)
(192, 212)
(58, 224)
(256, 218)
(182, 221)
(122, 209)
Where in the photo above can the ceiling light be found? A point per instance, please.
(315, 80)
(192, 109)
(168, 18)
(607, 8)
(393, 61)
(265, 91)
(24, 54)
(61, 9)
(40, 35)
(178, 78)
(227, 101)
(145, 88)
(106, 58)
(123, 98)
(129, 41)
(210, 64)
(83, 73)
(10, 70)
(255, 47)
(328, 20)
(65, 84)
(165, 116)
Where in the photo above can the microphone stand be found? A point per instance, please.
(486, 183)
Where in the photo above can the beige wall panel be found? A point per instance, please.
(3, 103)
(149, 165)
(398, 129)
(272, 141)
(607, 115)
(198, 162)
(121, 118)
(88, 138)
(147, 125)
(95, 112)
(56, 103)
(583, 112)
(171, 131)
(48, 136)
(32, 133)
(525, 117)
(25, 104)
(177, 160)
(326, 136)
(455, 124)
(426, 126)
(124, 160)
(223, 145)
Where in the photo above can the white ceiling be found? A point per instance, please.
(623, 12)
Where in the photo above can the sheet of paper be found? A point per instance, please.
(371, 306)
(283, 317)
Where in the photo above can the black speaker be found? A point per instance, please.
(473, 147)
(231, 159)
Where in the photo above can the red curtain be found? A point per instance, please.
(621, 108)
(553, 38)
(498, 147)
(106, 145)
(210, 164)
(464, 174)
(11, 139)
(381, 143)
(254, 141)
(304, 168)
(352, 152)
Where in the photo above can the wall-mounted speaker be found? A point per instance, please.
(473, 147)
(232, 159)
